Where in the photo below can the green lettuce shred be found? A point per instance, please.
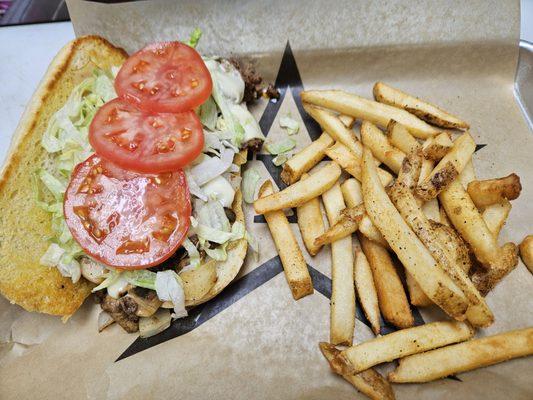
(194, 38)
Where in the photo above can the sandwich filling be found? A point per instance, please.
(212, 179)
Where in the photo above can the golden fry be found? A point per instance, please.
(310, 223)
(416, 295)
(359, 107)
(366, 290)
(437, 147)
(391, 294)
(422, 109)
(300, 192)
(405, 342)
(352, 163)
(400, 137)
(342, 266)
(492, 191)
(291, 256)
(526, 251)
(451, 165)
(345, 226)
(462, 357)
(373, 138)
(495, 216)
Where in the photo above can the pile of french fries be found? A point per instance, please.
(406, 186)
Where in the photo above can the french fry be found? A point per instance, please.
(486, 279)
(331, 124)
(416, 295)
(345, 226)
(305, 159)
(300, 192)
(410, 250)
(492, 191)
(359, 107)
(526, 252)
(342, 265)
(448, 168)
(400, 137)
(468, 175)
(373, 138)
(368, 382)
(495, 216)
(465, 217)
(478, 313)
(405, 342)
(465, 356)
(311, 155)
(436, 148)
(422, 109)
(351, 191)
(352, 163)
(310, 223)
(289, 252)
(457, 248)
(366, 290)
(391, 294)
(444, 217)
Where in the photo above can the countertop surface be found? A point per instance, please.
(22, 68)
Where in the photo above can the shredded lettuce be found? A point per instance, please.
(194, 38)
(111, 276)
(208, 114)
(211, 167)
(194, 254)
(66, 137)
(169, 287)
(250, 179)
(248, 122)
(281, 147)
(220, 189)
(291, 125)
(280, 159)
(141, 277)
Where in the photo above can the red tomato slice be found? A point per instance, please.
(165, 77)
(145, 142)
(125, 219)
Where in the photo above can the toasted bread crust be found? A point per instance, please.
(24, 227)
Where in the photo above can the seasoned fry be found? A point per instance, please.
(305, 159)
(405, 342)
(366, 290)
(377, 142)
(300, 192)
(416, 295)
(478, 312)
(291, 256)
(486, 280)
(310, 223)
(422, 109)
(460, 208)
(498, 262)
(457, 248)
(526, 251)
(345, 226)
(462, 357)
(391, 294)
(492, 191)
(495, 216)
(436, 148)
(448, 168)
(400, 137)
(410, 250)
(342, 266)
(359, 107)
(352, 163)
(351, 191)
(331, 124)
(468, 175)
(444, 217)
(348, 121)
(368, 382)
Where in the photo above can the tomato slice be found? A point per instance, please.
(125, 219)
(165, 77)
(143, 141)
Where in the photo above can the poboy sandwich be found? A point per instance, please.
(124, 179)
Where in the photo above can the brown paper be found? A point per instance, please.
(460, 55)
